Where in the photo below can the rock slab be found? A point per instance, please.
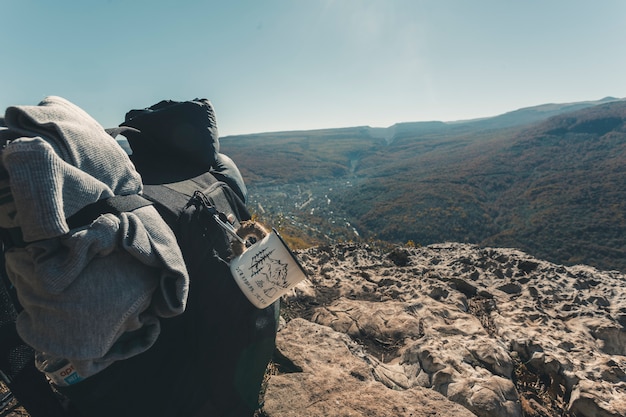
(449, 330)
(330, 375)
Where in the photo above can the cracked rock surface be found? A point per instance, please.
(449, 330)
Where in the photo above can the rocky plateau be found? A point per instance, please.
(449, 330)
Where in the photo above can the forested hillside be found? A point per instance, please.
(554, 187)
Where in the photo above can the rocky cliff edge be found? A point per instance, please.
(449, 330)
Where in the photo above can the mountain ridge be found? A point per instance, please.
(549, 109)
(551, 187)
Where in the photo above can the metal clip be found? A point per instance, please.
(228, 227)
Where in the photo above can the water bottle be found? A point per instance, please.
(60, 371)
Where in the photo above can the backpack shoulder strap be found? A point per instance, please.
(172, 199)
(12, 237)
(114, 205)
(176, 195)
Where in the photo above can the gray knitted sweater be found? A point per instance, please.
(92, 295)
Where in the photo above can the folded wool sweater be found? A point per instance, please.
(93, 294)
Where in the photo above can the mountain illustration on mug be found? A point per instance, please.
(266, 270)
(269, 274)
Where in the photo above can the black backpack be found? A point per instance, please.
(211, 360)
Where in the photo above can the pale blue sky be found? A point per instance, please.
(273, 65)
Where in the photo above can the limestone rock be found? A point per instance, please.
(329, 375)
(492, 330)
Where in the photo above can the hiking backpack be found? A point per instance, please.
(211, 359)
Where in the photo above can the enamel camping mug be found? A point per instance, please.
(266, 270)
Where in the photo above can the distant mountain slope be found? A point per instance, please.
(538, 113)
(555, 187)
(332, 153)
(557, 190)
(568, 197)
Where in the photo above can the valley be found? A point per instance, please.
(549, 180)
(307, 211)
